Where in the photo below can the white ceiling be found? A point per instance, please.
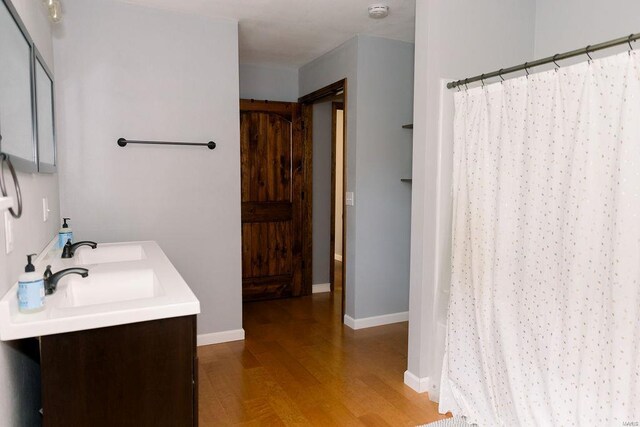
(290, 33)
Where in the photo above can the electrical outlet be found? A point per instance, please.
(8, 232)
(45, 209)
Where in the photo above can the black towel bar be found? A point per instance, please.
(123, 143)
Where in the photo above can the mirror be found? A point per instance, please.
(16, 101)
(45, 129)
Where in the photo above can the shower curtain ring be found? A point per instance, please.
(526, 69)
(629, 42)
(482, 79)
(586, 50)
(554, 61)
(465, 83)
(500, 75)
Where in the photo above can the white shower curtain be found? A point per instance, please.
(544, 316)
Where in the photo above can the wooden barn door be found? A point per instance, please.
(273, 204)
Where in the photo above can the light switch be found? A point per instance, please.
(348, 198)
(8, 232)
(45, 209)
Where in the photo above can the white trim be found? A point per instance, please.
(337, 257)
(421, 385)
(220, 337)
(369, 322)
(320, 287)
(349, 321)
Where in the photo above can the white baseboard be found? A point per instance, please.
(220, 337)
(321, 287)
(337, 257)
(369, 322)
(420, 385)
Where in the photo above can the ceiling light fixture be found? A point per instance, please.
(378, 11)
(55, 10)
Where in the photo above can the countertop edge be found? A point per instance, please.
(191, 308)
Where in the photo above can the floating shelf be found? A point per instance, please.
(406, 180)
(409, 126)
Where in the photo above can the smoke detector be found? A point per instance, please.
(378, 11)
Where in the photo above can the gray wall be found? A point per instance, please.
(570, 24)
(454, 39)
(379, 76)
(338, 64)
(321, 192)
(273, 84)
(159, 76)
(19, 374)
(385, 87)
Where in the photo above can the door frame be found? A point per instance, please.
(335, 107)
(307, 102)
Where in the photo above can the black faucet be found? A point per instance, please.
(70, 248)
(51, 279)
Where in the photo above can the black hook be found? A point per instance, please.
(482, 79)
(526, 69)
(500, 75)
(458, 84)
(586, 50)
(629, 41)
(465, 83)
(554, 60)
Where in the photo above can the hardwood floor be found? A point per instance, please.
(300, 366)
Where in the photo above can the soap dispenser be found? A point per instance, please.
(30, 289)
(65, 234)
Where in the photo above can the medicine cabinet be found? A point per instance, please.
(27, 127)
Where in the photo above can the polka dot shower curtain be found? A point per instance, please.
(544, 316)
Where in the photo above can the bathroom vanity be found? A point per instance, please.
(117, 347)
(138, 374)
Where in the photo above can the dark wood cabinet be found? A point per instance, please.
(139, 374)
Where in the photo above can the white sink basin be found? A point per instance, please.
(103, 254)
(108, 287)
(128, 282)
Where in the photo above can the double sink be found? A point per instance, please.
(128, 282)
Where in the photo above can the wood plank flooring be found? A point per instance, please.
(300, 366)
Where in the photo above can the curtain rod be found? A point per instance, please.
(557, 57)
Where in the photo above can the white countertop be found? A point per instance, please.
(172, 296)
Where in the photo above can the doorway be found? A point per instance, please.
(289, 237)
(325, 111)
(337, 195)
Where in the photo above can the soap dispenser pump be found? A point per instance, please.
(65, 234)
(30, 289)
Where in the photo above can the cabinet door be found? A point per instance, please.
(16, 98)
(137, 374)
